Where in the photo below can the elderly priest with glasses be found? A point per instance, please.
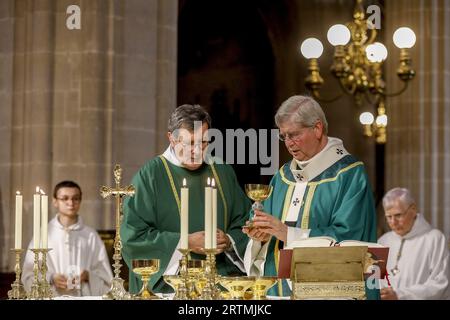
(322, 191)
(418, 263)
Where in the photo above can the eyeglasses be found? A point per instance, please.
(398, 216)
(294, 136)
(67, 199)
(203, 144)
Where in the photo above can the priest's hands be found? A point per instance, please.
(270, 225)
(196, 242)
(256, 233)
(223, 242)
(388, 294)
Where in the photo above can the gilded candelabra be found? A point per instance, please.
(35, 293)
(182, 290)
(45, 288)
(117, 290)
(210, 291)
(358, 65)
(17, 291)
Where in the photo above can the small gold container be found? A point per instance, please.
(237, 286)
(173, 280)
(261, 286)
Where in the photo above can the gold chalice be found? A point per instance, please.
(261, 286)
(258, 193)
(237, 286)
(145, 268)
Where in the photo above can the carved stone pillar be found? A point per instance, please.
(76, 102)
(418, 149)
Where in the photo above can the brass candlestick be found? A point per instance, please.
(17, 291)
(34, 293)
(182, 290)
(45, 288)
(117, 290)
(210, 291)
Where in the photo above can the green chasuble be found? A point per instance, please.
(338, 203)
(151, 222)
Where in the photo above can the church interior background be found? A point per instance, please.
(75, 102)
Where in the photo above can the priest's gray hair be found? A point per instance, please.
(302, 110)
(397, 194)
(186, 115)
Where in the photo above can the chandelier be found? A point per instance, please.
(358, 66)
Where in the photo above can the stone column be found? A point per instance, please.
(76, 102)
(418, 149)
(6, 131)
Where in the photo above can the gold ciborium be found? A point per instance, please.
(261, 286)
(258, 193)
(145, 268)
(237, 286)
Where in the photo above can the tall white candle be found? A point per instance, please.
(18, 225)
(214, 214)
(184, 216)
(208, 216)
(44, 220)
(36, 218)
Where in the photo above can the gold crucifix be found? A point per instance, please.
(117, 290)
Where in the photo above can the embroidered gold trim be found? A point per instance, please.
(283, 177)
(287, 201)
(306, 210)
(172, 183)
(359, 163)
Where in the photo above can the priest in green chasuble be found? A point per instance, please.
(151, 222)
(322, 191)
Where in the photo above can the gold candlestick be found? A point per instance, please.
(17, 291)
(117, 290)
(182, 290)
(45, 289)
(210, 291)
(34, 293)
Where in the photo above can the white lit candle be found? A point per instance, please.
(18, 226)
(214, 214)
(208, 216)
(184, 216)
(44, 220)
(36, 218)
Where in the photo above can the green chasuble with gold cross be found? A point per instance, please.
(337, 202)
(151, 221)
